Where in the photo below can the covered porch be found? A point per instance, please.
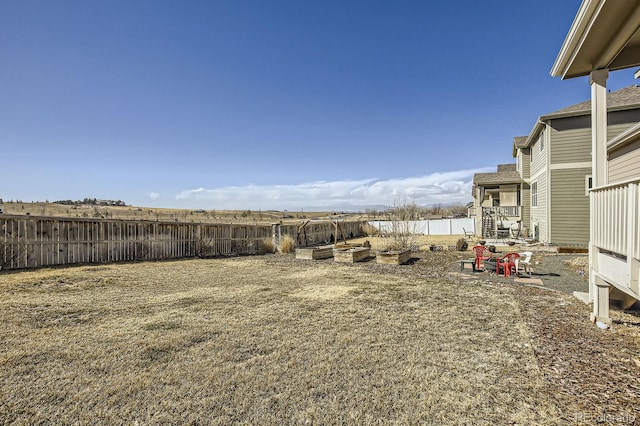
(497, 202)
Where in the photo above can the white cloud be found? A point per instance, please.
(447, 187)
(154, 195)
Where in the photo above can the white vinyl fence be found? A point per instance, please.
(427, 227)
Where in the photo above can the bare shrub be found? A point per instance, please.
(462, 244)
(266, 246)
(141, 250)
(403, 226)
(11, 254)
(205, 247)
(287, 244)
(370, 230)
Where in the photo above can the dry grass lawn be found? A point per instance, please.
(266, 340)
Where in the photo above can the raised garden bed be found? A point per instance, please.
(351, 255)
(581, 250)
(314, 253)
(393, 257)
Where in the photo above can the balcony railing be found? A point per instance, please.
(506, 211)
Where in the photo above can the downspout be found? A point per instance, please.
(547, 144)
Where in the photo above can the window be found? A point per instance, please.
(588, 184)
(541, 141)
(534, 194)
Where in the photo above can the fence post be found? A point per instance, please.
(275, 235)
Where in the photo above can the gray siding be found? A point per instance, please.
(571, 137)
(538, 158)
(569, 207)
(524, 156)
(539, 170)
(615, 129)
(624, 163)
(570, 146)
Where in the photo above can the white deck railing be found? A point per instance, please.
(615, 235)
(615, 218)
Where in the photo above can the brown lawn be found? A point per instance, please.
(273, 340)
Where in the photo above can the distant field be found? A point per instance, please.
(164, 214)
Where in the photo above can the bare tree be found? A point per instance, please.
(403, 226)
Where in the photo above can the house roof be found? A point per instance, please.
(593, 43)
(511, 167)
(506, 176)
(626, 98)
(518, 143)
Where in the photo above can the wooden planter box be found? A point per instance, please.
(393, 257)
(314, 253)
(351, 255)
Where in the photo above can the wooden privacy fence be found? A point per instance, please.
(31, 242)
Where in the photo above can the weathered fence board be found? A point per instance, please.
(31, 242)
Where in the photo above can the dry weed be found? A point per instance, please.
(287, 244)
(266, 246)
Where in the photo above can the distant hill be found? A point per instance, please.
(91, 202)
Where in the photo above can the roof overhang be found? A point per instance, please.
(535, 132)
(605, 34)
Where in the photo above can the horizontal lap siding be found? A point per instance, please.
(525, 162)
(569, 207)
(571, 146)
(571, 138)
(624, 163)
(539, 170)
(27, 242)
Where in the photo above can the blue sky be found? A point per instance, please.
(272, 104)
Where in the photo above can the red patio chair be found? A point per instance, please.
(482, 253)
(508, 262)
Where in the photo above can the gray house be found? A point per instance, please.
(554, 160)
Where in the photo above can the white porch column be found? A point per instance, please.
(598, 291)
(598, 81)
